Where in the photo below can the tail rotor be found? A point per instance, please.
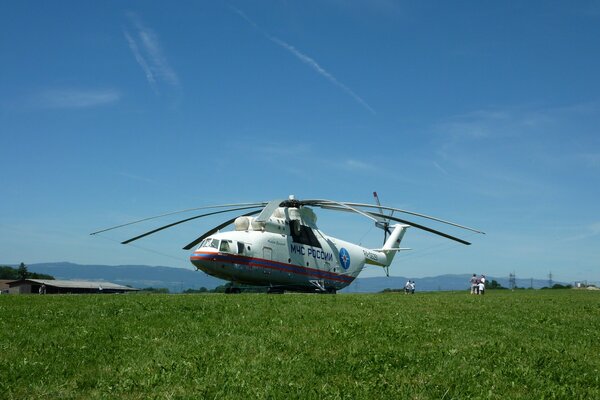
(384, 223)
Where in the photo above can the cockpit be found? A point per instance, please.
(210, 242)
(223, 246)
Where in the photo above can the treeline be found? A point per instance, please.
(7, 272)
(218, 289)
(558, 286)
(166, 290)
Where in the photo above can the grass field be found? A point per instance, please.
(444, 345)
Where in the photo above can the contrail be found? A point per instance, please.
(305, 59)
(140, 59)
(149, 55)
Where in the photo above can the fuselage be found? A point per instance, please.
(268, 259)
(284, 254)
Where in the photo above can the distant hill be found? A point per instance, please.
(138, 276)
(180, 279)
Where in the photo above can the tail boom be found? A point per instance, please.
(383, 257)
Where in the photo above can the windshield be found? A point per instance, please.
(214, 243)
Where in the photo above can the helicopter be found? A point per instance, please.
(282, 248)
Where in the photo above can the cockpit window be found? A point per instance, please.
(212, 243)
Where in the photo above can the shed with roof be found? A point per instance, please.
(4, 285)
(56, 286)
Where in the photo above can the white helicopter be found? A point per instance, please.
(283, 250)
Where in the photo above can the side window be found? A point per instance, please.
(212, 243)
(312, 238)
(225, 246)
(303, 234)
(240, 247)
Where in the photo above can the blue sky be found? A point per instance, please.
(482, 113)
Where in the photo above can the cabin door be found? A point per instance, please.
(267, 253)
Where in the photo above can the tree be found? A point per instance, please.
(495, 285)
(559, 286)
(7, 272)
(22, 271)
(155, 290)
(201, 290)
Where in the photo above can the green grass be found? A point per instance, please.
(523, 344)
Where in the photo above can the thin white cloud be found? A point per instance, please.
(588, 231)
(75, 98)
(295, 150)
(439, 168)
(387, 8)
(136, 178)
(146, 49)
(302, 154)
(356, 165)
(140, 59)
(591, 160)
(476, 124)
(307, 60)
(516, 122)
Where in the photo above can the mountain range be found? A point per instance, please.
(180, 279)
(138, 276)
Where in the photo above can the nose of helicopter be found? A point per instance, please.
(198, 260)
(204, 261)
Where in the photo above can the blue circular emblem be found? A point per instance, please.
(344, 258)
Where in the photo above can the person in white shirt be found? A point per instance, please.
(481, 284)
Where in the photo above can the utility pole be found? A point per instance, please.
(512, 281)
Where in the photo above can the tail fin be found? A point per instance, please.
(392, 245)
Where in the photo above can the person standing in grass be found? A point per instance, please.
(481, 285)
(473, 282)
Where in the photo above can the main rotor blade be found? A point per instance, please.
(378, 202)
(337, 205)
(215, 229)
(260, 204)
(422, 227)
(328, 204)
(181, 222)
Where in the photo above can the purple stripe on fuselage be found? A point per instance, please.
(260, 262)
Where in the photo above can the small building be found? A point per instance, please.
(55, 286)
(4, 285)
